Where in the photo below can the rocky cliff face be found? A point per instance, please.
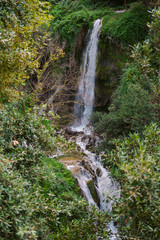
(62, 97)
(110, 62)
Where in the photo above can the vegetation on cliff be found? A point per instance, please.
(126, 28)
(135, 103)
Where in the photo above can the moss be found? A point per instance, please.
(55, 171)
(80, 44)
(111, 60)
(93, 191)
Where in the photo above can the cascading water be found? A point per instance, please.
(105, 186)
(83, 107)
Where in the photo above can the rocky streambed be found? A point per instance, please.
(82, 167)
(94, 180)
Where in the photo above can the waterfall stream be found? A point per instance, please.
(83, 107)
(104, 185)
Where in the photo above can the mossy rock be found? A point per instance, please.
(88, 167)
(110, 62)
(93, 191)
(70, 157)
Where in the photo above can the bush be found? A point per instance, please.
(37, 206)
(137, 160)
(39, 196)
(129, 111)
(69, 26)
(18, 48)
(128, 27)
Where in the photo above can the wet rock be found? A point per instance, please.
(110, 62)
(91, 145)
(86, 138)
(90, 141)
(72, 139)
(70, 132)
(99, 172)
(93, 192)
(71, 159)
(88, 167)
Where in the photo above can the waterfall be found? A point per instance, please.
(105, 186)
(83, 107)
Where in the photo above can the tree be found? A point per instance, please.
(18, 48)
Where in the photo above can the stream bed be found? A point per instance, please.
(96, 184)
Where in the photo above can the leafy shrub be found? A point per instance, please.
(69, 26)
(128, 27)
(129, 111)
(18, 48)
(85, 228)
(27, 135)
(39, 196)
(137, 158)
(30, 209)
(71, 16)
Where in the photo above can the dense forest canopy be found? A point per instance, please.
(41, 45)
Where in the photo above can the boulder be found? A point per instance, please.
(93, 192)
(98, 172)
(88, 167)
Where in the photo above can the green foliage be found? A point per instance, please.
(92, 228)
(18, 48)
(26, 129)
(128, 27)
(135, 102)
(61, 181)
(71, 16)
(69, 26)
(130, 111)
(29, 209)
(138, 161)
(154, 27)
(39, 196)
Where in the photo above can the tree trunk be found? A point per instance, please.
(125, 3)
